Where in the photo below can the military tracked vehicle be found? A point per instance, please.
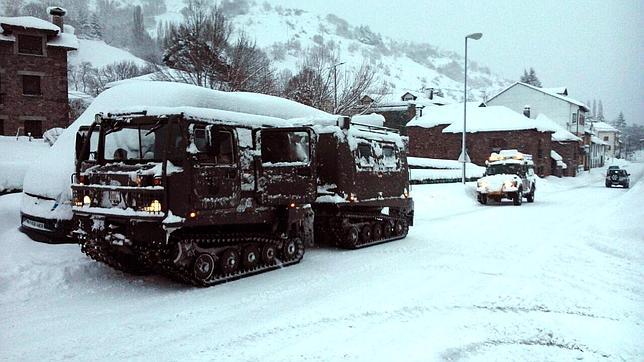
(207, 196)
(363, 186)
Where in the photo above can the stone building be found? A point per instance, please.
(437, 134)
(33, 74)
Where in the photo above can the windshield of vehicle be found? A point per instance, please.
(126, 142)
(509, 168)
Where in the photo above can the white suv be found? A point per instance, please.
(509, 175)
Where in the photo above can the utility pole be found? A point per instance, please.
(335, 86)
(475, 36)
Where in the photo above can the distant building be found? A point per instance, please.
(610, 135)
(399, 108)
(437, 134)
(33, 73)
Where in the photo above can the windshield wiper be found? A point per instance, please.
(154, 128)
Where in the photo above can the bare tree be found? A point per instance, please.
(195, 49)
(320, 79)
(249, 67)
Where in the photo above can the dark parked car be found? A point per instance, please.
(617, 176)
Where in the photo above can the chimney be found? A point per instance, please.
(57, 14)
(526, 111)
(431, 93)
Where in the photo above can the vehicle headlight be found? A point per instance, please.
(510, 183)
(155, 206)
(87, 200)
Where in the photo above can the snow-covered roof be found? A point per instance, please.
(441, 115)
(495, 118)
(149, 95)
(557, 90)
(560, 133)
(64, 40)
(597, 140)
(395, 99)
(544, 91)
(28, 22)
(603, 127)
(479, 119)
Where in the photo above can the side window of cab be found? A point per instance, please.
(212, 145)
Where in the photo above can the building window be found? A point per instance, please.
(31, 85)
(33, 128)
(1, 127)
(30, 44)
(609, 148)
(605, 138)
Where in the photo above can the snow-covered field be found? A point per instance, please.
(560, 279)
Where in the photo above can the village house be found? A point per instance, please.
(552, 102)
(437, 134)
(400, 107)
(609, 135)
(33, 73)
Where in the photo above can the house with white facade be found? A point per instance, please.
(609, 135)
(552, 102)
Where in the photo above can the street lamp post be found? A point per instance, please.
(335, 86)
(475, 36)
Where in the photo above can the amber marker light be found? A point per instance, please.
(192, 214)
(292, 204)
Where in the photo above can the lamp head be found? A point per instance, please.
(475, 36)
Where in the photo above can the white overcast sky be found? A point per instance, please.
(593, 47)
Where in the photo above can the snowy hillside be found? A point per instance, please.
(101, 54)
(286, 33)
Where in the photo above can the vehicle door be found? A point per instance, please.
(216, 172)
(286, 166)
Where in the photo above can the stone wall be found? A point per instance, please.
(570, 152)
(433, 143)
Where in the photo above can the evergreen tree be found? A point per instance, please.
(620, 122)
(600, 112)
(594, 108)
(530, 78)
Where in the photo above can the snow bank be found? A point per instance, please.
(431, 170)
(58, 165)
(15, 157)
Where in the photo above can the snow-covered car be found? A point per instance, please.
(509, 175)
(617, 176)
(46, 201)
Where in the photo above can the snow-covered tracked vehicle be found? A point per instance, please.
(363, 191)
(204, 196)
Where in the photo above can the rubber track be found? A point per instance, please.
(162, 261)
(339, 235)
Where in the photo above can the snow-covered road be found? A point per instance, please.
(559, 279)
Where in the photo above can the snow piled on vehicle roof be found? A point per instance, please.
(58, 164)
